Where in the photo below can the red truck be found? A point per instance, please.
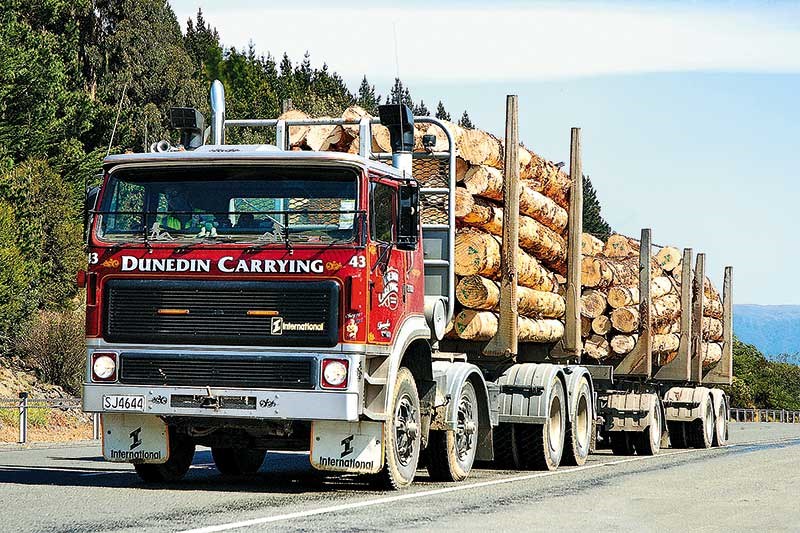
(252, 298)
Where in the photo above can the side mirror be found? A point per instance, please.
(89, 205)
(408, 217)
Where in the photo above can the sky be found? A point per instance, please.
(688, 111)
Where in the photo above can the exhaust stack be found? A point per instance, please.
(217, 113)
(399, 119)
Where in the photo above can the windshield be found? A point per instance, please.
(255, 204)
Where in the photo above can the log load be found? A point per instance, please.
(620, 247)
(487, 182)
(623, 296)
(593, 303)
(543, 243)
(623, 344)
(668, 258)
(477, 292)
(601, 325)
(712, 329)
(586, 326)
(596, 347)
(663, 310)
(482, 326)
(297, 134)
(711, 354)
(712, 308)
(590, 245)
(477, 252)
(600, 272)
(667, 327)
(666, 343)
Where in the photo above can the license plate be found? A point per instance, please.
(123, 403)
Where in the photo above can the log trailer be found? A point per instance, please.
(252, 298)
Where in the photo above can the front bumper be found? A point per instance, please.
(267, 404)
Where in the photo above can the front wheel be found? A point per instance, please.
(402, 435)
(451, 453)
(181, 453)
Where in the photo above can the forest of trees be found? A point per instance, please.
(80, 78)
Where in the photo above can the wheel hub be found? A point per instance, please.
(406, 430)
(465, 428)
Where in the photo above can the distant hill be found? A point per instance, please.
(773, 329)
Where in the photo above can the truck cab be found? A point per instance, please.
(253, 297)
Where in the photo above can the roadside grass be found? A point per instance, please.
(37, 417)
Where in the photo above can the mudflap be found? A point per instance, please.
(355, 447)
(133, 438)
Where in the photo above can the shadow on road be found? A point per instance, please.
(285, 473)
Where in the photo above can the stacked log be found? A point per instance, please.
(542, 244)
(611, 269)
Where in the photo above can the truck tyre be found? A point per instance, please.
(542, 445)
(721, 425)
(181, 453)
(701, 431)
(677, 435)
(402, 434)
(621, 442)
(237, 461)
(648, 442)
(580, 428)
(450, 454)
(506, 455)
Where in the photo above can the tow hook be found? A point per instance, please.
(210, 401)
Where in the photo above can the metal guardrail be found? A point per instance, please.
(24, 403)
(765, 415)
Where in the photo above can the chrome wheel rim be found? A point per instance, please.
(406, 429)
(465, 428)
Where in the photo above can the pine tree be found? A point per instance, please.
(367, 98)
(441, 113)
(420, 110)
(593, 221)
(465, 122)
(400, 94)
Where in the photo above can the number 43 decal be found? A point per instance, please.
(358, 261)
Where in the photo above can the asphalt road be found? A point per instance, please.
(750, 485)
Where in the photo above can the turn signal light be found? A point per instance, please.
(334, 373)
(104, 366)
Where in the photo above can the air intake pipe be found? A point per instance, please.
(399, 119)
(217, 113)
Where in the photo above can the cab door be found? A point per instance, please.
(387, 264)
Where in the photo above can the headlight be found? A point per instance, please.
(104, 367)
(334, 373)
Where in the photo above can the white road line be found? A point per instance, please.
(436, 492)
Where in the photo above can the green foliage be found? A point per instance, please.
(53, 345)
(593, 221)
(46, 231)
(441, 112)
(367, 98)
(15, 281)
(762, 383)
(465, 121)
(37, 417)
(421, 110)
